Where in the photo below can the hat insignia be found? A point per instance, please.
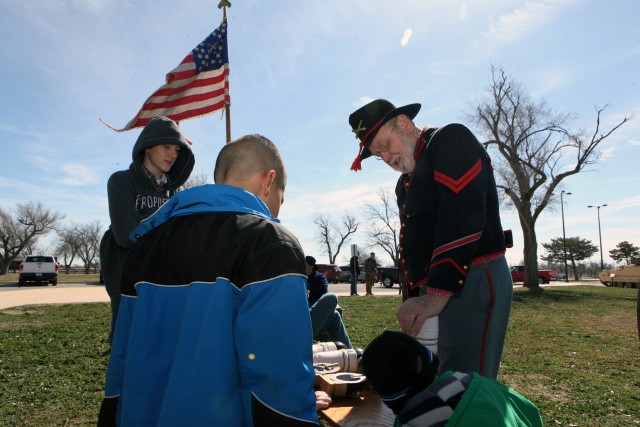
(358, 129)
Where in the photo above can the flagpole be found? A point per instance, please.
(224, 4)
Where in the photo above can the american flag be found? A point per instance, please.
(198, 86)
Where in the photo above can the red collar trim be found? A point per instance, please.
(420, 143)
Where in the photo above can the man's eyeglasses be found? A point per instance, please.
(380, 149)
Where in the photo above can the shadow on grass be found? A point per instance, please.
(572, 294)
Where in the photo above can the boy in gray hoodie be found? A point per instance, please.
(162, 162)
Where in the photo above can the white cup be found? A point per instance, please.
(428, 335)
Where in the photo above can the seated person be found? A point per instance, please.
(404, 373)
(323, 305)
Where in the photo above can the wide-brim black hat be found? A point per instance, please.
(398, 367)
(367, 120)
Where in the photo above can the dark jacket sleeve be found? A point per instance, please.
(122, 207)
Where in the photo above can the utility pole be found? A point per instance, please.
(564, 237)
(599, 234)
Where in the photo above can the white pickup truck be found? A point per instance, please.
(38, 268)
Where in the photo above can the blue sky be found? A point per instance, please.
(298, 69)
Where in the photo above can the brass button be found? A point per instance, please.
(461, 282)
(466, 267)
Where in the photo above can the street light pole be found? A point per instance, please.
(600, 234)
(564, 237)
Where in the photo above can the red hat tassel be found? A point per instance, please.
(357, 163)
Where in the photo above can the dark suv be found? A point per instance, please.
(331, 272)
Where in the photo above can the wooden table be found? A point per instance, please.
(362, 411)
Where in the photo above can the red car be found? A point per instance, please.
(331, 271)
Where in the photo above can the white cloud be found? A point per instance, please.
(15, 184)
(78, 174)
(548, 80)
(511, 27)
(363, 100)
(506, 30)
(19, 131)
(608, 152)
(463, 13)
(407, 35)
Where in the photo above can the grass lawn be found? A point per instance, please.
(573, 351)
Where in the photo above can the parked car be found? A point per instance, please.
(345, 275)
(544, 276)
(38, 268)
(331, 271)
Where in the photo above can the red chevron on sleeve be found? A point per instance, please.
(452, 262)
(456, 243)
(457, 185)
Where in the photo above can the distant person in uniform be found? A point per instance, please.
(370, 266)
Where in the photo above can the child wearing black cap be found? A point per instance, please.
(404, 373)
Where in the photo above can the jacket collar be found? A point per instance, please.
(202, 199)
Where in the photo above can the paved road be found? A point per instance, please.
(63, 293)
(12, 296)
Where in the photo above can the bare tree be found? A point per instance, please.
(18, 231)
(384, 230)
(384, 225)
(536, 151)
(68, 246)
(88, 236)
(196, 180)
(331, 238)
(34, 247)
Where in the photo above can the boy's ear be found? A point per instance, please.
(268, 179)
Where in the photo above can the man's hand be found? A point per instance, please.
(414, 311)
(323, 400)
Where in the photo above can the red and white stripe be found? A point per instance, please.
(186, 94)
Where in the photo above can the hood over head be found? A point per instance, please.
(162, 130)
